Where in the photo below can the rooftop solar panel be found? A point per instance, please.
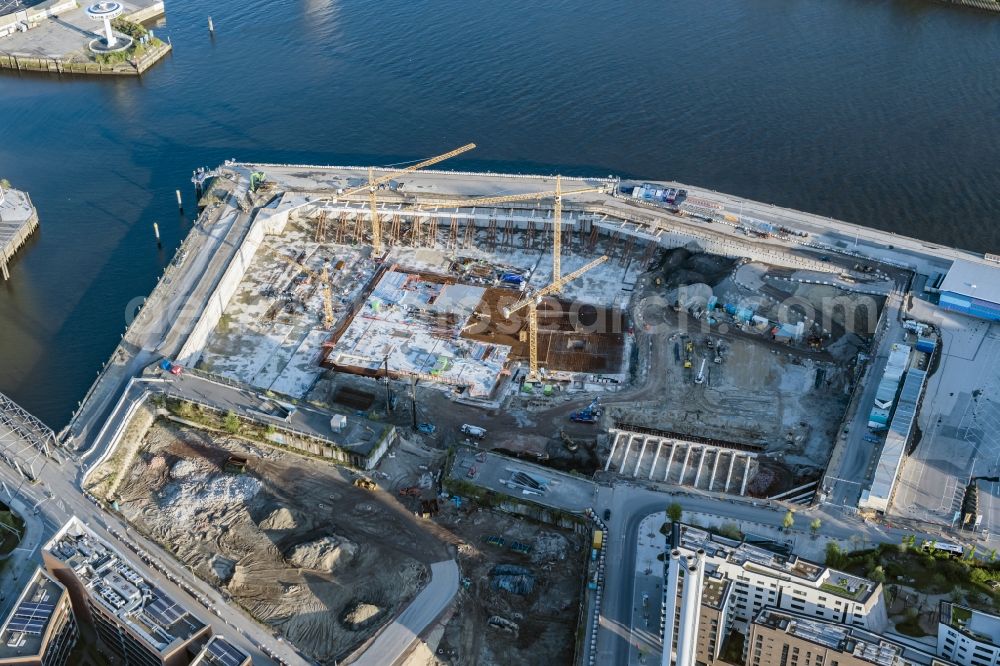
(164, 611)
(223, 653)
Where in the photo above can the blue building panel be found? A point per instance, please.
(973, 307)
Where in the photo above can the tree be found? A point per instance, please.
(674, 512)
(877, 574)
(834, 556)
(993, 555)
(815, 525)
(788, 520)
(231, 423)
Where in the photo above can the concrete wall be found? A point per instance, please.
(208, 319)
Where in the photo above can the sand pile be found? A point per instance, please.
(323, 554)
(280, 519)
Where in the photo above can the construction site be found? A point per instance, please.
(380, 319)
(523, 300)
(750, 371)
(321, 560)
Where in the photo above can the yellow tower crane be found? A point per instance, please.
(374, 182)
(324, 281)
(556, 194)
(531, 302)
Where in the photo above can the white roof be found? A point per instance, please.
(980, 281)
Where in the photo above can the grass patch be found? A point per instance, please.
(840, 590)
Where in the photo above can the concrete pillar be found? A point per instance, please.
(642, 452)
(614, 446)
(659, 447)
(729, 475)
(670, 597)
(670, 460)
(687, 455)
(746, 476)
(109, 33)
(628, 447)
(701, 461)
(715, 464)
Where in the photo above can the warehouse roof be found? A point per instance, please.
(981, 281)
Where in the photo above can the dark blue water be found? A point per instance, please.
(880, 112)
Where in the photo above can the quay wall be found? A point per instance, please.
(9, 247)
(57, 66)
(987, 5)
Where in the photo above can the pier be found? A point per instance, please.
(60, 37)
(18, 220)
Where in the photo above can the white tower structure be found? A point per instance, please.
(687, 632)
(106, 11)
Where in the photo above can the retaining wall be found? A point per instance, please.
(209, 317)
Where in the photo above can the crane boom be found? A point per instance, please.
(532, 304)
(554, 287)
(507, 198)
(420, 165)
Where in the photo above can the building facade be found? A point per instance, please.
(762, 578)
(41, 629)
(780, 638)
(967, 636)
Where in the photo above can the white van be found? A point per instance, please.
(473, 431)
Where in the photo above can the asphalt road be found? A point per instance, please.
(394, 642)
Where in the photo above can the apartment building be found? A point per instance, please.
(780, 638)
(41, 629)
(220, 652)
(967, 636)
(134, 618)
(762, 578)
(713, 618)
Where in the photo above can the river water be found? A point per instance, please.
(883, 113)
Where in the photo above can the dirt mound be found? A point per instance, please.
(323, 554)
(280, 519)
(360, 615)
(551, 546)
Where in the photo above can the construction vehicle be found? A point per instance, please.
(364, 482)
(687, 363)
(170, 367)
(689, 347)
(257, 178)
(700, 378)
(473, 431)
(589, 414)
(531, 302)
(568, 442)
